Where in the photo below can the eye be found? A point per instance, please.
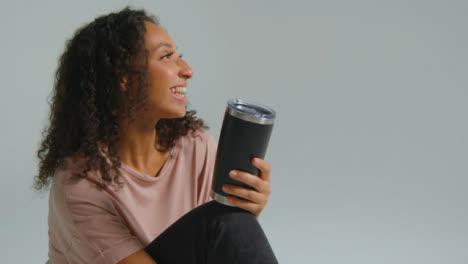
(167, 55)
(170, 54)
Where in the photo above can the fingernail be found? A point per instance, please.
(232, 173)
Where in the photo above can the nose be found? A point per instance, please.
(186, 71)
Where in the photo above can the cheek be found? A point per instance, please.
(161, 73)
(161, 78)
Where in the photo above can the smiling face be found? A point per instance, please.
(167, 74)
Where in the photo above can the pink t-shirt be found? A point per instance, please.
(87, 225)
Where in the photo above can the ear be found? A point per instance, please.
(123, 84)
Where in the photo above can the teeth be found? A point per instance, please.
(180, 90)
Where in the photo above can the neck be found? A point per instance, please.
(138, 145)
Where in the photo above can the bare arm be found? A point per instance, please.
(139, 257)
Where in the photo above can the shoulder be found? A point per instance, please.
(199, 138)
(68, 189)
(202, 135)
(83, 220)
(71, 201)
(198, 146)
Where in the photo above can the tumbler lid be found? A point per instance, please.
(251, 112)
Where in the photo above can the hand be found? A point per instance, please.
(257, 198)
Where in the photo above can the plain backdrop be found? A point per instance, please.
(369, 150)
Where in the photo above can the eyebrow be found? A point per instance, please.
(163, 44)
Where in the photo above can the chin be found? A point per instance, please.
(170, 112)
(182, 115)
(179, 114)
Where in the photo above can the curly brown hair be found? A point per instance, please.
(87, 101)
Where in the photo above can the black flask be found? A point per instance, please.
(245, 134)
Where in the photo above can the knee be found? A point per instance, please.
(223, 212)
(223, 218)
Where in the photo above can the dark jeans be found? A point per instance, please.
(213, 234)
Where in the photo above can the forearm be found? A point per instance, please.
(139, 257)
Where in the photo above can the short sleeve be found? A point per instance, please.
(99, 234)
(205, 179)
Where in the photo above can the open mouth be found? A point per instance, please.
(178, 90)
(178, 93)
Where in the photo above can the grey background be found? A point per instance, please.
(369, 151)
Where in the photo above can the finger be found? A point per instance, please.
(264, 168)
(254, 208)
(251, 180)
(245, 193)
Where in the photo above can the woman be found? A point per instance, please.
(130, 169)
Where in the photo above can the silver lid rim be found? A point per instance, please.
(252, 119)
